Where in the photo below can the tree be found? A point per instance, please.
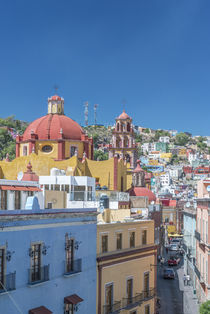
(160, 133)
(99, 155)
(138, 138)
(146, 131)
(205, 308)
(181, 139)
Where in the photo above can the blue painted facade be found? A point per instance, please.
(189, 243)
(19, 230)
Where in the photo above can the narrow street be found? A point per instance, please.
(171, 298)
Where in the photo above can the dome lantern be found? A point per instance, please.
(56, 105)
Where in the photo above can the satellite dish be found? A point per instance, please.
(20, 176)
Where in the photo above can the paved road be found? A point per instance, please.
(171, 297)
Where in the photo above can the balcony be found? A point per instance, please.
(148, 294)
(38, 275)
(72, 267)
(129, 303)
(197, 235)
(82, 196)
(9, 283)
(197, 272)
(112, 308)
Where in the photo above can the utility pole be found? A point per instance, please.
(95, 114)
(86, 113)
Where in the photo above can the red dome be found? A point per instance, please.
(142, 191)
(51, 126)
(123, 116)
(56, 97)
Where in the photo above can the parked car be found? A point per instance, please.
(173, 260)
(168, 273)
(174, 247)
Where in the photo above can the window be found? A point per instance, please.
(30, 193)
(2, 268)
(24, 150)
(69, 254)
(166, 219)
(49, 205)
(104, 243)
(147, 309)
(72, 150)
(69, 309)
(17, 200)
(207, 272)
(109, 297)
(207, 240)
(36, 262)
(132, 239)
(129, 290)
(119, 241)
(146, 285)
(47, 149)
(144, 236)
(3, 199)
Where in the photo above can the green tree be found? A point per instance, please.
(160, 133)
(205, 308)
(99, 155)
(181, 139)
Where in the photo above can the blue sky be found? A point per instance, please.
(151, 57)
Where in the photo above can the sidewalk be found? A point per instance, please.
(190, 303)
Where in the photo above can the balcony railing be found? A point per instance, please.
(112, 308)
(73, 267)
(9, 283)
(128, 303)
(197, 272)
(82, 196)
(148, 294)
(197, 235)
(38, 275)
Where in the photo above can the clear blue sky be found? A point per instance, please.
(152, 54)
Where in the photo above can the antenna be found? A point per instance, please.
(56, 87)
(95, 114)
(86, 113)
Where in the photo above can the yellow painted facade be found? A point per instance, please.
(117, 266)
(103, 171)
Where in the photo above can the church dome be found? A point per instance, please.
(142, 191)
(52, 127)
(124, 116)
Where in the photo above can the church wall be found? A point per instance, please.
(22, 150)
(79, 145)
(52, 154)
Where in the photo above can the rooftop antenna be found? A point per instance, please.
(86, 113)
(56, 88)
(95, 113)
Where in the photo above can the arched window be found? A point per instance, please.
(118, 126)
(24, 150)
(128, 127)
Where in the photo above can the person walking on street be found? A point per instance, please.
(185, 279)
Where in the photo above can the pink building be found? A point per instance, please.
(202, 235)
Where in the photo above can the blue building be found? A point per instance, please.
(189, 243)
(48, 261)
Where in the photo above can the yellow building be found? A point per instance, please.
(110, 173)
(126, 259)
(166, 156)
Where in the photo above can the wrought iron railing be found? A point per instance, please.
(113, 308)
(197, 235)
(128, 303)
(148, 294)
(72, 267)
(9, 283)
(38, 274)
(197, 272)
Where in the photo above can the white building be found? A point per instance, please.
(192, 157)
(148, 147)
(175, 172)
(14, 194)
(154, 155)
(164, 139)
(165, 179)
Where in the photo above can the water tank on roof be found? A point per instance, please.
(54, 172)
(104, 201)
